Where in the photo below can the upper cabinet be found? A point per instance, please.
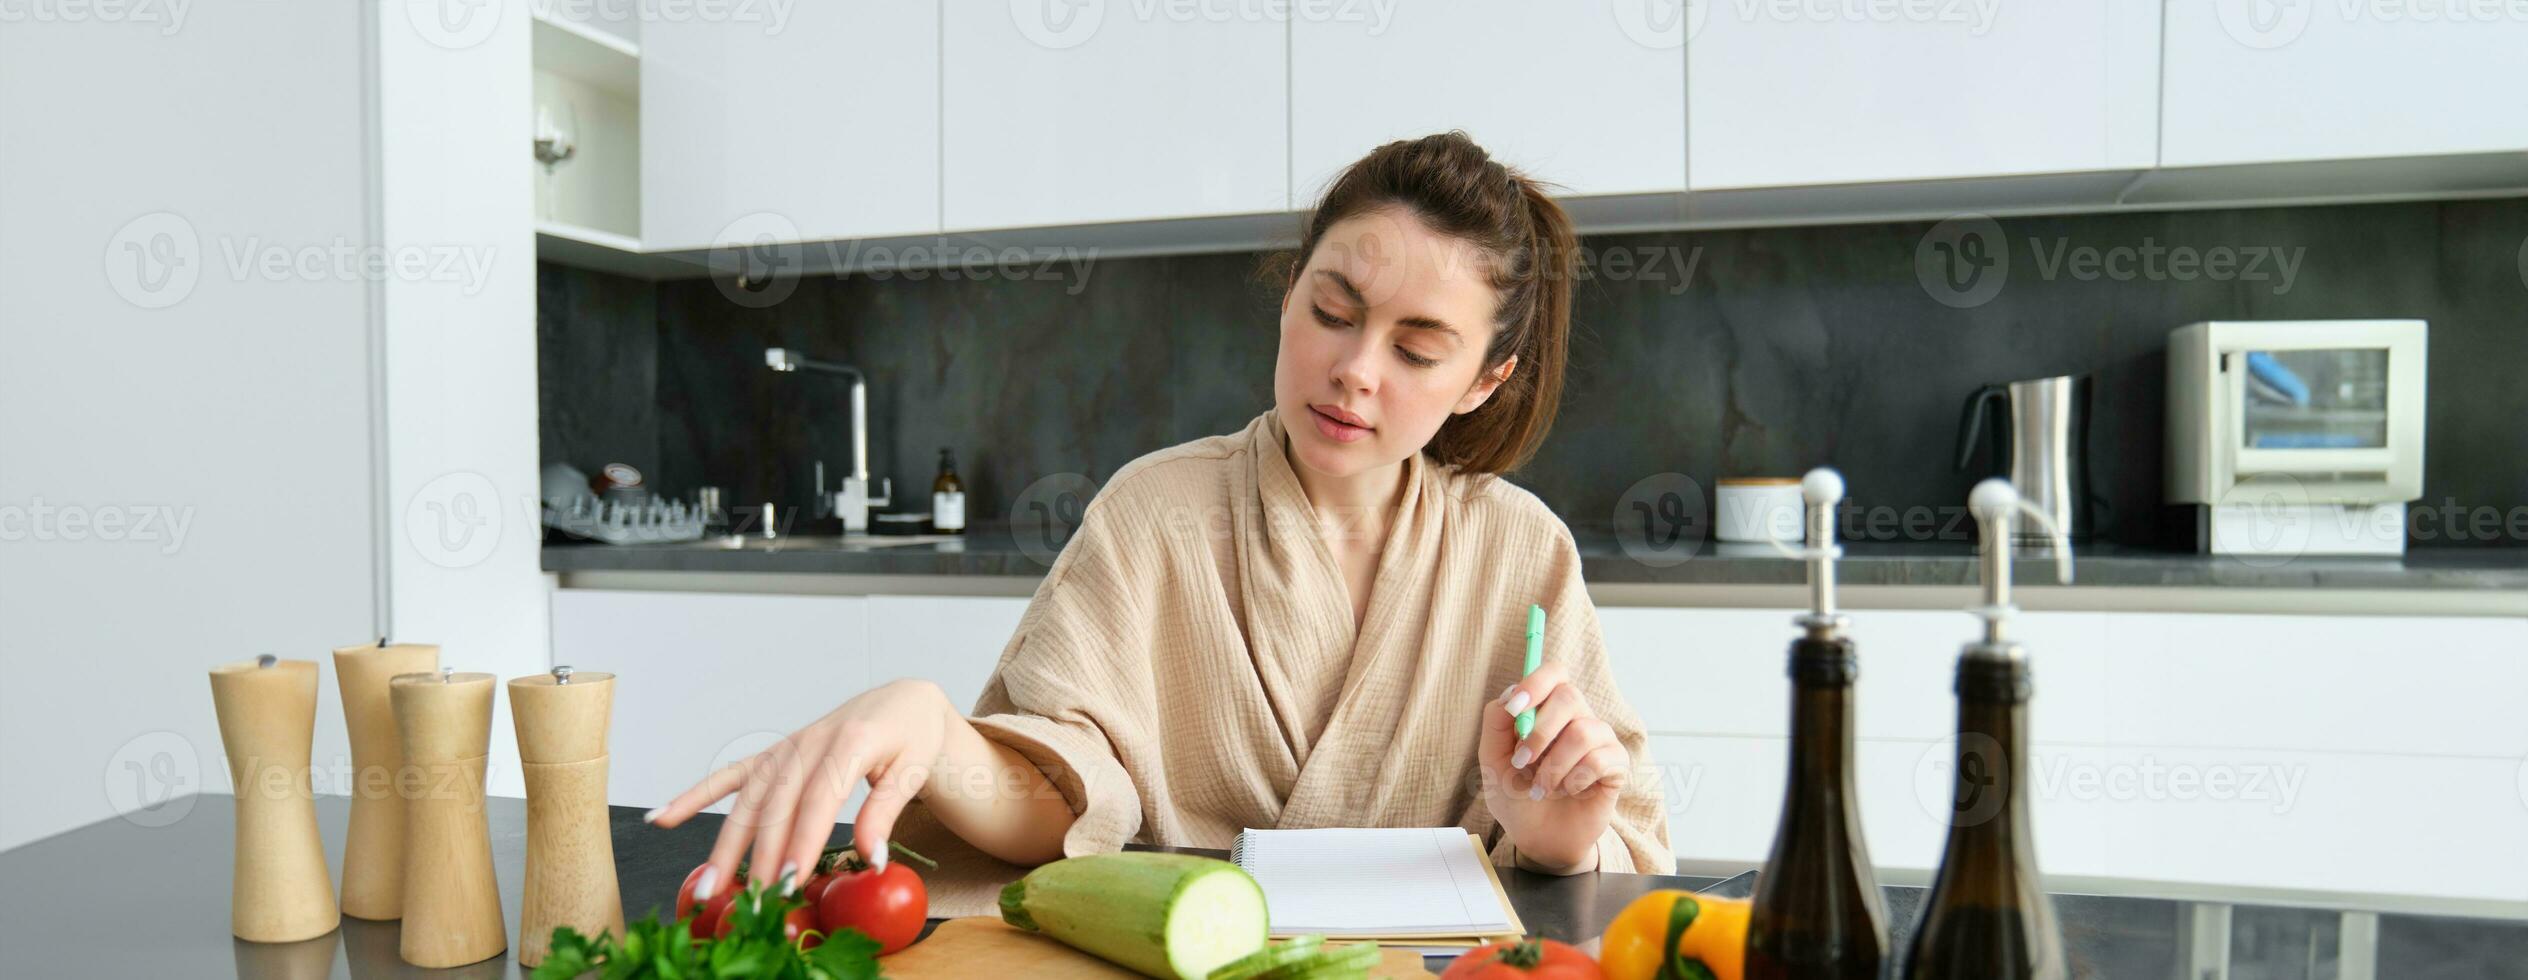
(799, 122)
(2291, 82)
(1161, 126)
(1062, 113)
(1588, 96)
(1786, 95)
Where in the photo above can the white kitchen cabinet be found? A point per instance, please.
(2265, 83)
(1370, 74)
(2168, 748)
(1783, 95)
(801, 122)
(1064, 113)
(1712, 685)
(1724, 671)
(955, 641)
(704, 680)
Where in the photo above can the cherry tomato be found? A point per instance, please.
(706, 915)
(815, 888)
(796, 923)
(890, 905)
(1523, 959)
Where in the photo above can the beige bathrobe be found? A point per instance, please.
(1189, 668)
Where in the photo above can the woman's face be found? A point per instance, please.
(1383, 338)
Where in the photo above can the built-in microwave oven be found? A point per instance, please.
(2296, 437)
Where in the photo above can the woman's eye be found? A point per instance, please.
(1326, 318)
(1414, 359)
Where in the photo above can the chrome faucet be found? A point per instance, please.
(788, 361)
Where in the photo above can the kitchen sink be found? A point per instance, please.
(827, 542)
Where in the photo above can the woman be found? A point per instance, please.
(1317, 621)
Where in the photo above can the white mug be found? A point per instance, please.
(1759, 509)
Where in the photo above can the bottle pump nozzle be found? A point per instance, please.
(1993, 502)
(1820, 491)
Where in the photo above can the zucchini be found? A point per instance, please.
(1350, 962)
(1265, 961)
(1162, 915)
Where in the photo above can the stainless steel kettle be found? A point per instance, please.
(2041, 444)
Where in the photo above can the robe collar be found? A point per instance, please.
(1289, 577)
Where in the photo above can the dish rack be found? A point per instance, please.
(571, 508)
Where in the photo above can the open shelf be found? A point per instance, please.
(588, 209)
(601, 60)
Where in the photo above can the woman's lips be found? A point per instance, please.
(1337, 429)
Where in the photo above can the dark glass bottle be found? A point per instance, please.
(1818, 912)
(1988, 917)
(948, 496)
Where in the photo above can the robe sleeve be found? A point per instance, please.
(1068, 694)
(1636, 838)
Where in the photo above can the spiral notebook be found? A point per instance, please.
(1430, 885)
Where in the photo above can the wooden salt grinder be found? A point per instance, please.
(561, 720)
(281, 891)
(451, 896)
(373, 854)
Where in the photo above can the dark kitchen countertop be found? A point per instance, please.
(67, 910)
(1604, 559)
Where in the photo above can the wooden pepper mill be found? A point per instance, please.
(373, 854)
(281, 891)
(451, 896)
(561, 720)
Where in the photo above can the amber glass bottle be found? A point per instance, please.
(1818, 912)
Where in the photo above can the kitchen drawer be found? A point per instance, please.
(1723, 671)
(2414, 684)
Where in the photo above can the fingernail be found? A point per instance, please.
(878, 860)
(1518, 703)
(1536, 791)
(652, 816)
(710, 880)
(1519, 759)
(789, 879)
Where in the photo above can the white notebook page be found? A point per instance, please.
(1373, 881)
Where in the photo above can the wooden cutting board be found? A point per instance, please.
(983, 946)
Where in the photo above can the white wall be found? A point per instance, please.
(455, 98)
(198, 243)
(170, 382)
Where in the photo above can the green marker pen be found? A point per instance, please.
(1535, 659)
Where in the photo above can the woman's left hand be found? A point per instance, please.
(1553, 792)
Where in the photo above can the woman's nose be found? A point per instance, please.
(1353, 370)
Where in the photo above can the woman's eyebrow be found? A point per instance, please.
(1344, 283)
(1353, 293)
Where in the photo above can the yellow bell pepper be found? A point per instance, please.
(1676, 935)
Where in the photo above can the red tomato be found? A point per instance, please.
(890, 905)
(815, 888)
(706, 915)
(1523, 959)
(795, 924)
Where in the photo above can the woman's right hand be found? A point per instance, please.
(788, 795)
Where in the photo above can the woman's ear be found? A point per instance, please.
(1485, 385)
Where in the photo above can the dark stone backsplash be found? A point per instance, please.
(1783, 349)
